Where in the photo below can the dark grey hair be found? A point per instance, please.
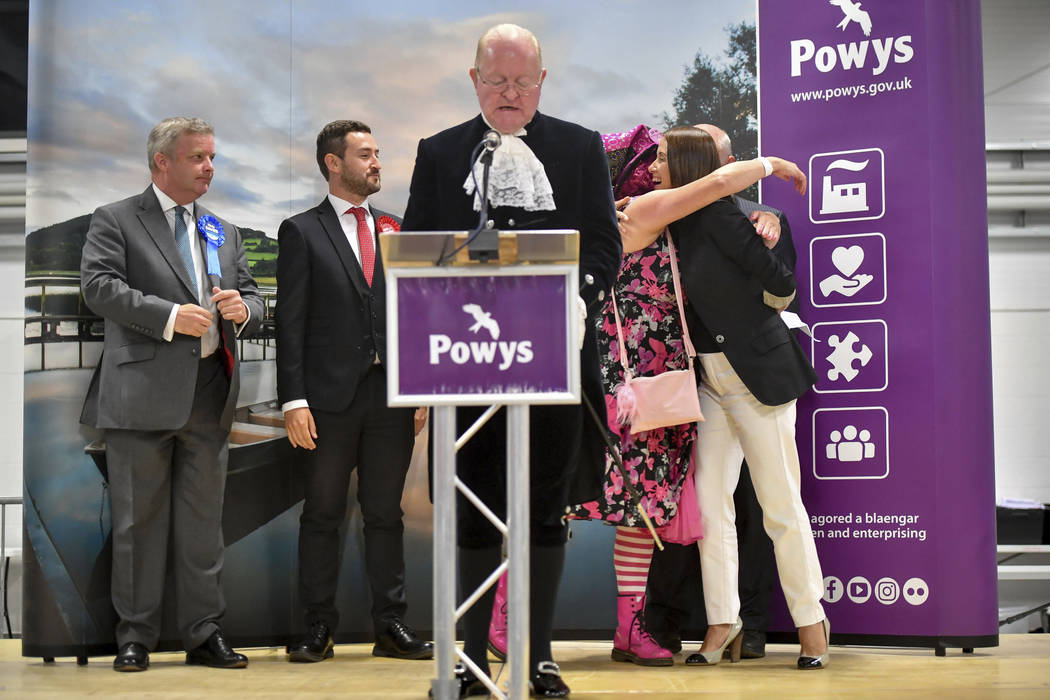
(163, 136)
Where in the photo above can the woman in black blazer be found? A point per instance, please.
(753, 370)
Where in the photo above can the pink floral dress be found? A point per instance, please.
(656, 460)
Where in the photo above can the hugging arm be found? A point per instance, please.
(650, 213)
(734, 236)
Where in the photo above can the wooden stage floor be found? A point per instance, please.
(1019, 668)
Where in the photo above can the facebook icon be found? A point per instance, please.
(833, 589)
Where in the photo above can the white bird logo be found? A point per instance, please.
(853, 13)
(482, 319)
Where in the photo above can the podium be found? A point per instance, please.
(500, 333)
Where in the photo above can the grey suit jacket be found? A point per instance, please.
(131, 274)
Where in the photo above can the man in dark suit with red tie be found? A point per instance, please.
(331, 381)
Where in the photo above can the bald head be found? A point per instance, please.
(722, 142)
(509, 36)
(507, 75)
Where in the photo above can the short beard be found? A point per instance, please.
(358, 185)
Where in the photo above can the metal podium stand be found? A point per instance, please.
(501, 333)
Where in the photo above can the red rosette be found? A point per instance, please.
(387, 224)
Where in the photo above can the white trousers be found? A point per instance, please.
(735, 420)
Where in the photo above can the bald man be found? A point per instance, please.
(567, 455)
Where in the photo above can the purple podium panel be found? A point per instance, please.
(469, 336)
(881, 104)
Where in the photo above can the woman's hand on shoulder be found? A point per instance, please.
(788, 171)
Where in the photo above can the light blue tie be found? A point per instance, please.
(182, 242)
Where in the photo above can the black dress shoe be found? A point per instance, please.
(131, 657)
(754, 646)
(315, 646)
(216, 653)
(469, 686)
(399, 641)
(546, 681)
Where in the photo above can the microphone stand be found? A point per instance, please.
(483, 244)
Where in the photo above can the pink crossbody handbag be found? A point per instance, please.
(670, 398)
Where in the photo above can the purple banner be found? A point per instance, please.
(882, 103)
(488, 337)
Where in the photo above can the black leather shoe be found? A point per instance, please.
(131, 657)
(216, 653)
(399, 641)
(469, 686)
(754, 646)
(546, 681)
(315, 646)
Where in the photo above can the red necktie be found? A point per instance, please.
(364, 239)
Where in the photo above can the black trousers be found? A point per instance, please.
(675, 602)
(377, 441)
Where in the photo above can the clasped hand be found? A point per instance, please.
(194, 320)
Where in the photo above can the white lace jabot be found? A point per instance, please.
(516, 178)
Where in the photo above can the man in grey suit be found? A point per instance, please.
(165, 389)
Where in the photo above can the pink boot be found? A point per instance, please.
(632, 641)
(498, 623)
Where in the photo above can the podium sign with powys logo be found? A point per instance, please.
(493, 324)
(895, 438)
(479, 334)
(491, 337)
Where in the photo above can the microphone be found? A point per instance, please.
(491, 140)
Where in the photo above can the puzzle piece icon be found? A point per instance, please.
(844, 354)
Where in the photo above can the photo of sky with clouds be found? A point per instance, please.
(269, 75)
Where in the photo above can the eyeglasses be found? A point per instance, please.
(521, 85)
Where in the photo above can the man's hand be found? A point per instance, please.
(767, 225)
(786, 170)
(192, 320)
(420, 418)
(229, 305)
(302, 432)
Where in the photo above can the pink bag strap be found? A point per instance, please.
(690, 352)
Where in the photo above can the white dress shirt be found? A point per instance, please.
(210, 339)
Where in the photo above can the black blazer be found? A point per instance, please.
(725, 268)
(785, 247)
(574, 160)
(330, 323)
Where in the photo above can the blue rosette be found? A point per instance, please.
(211, 231)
